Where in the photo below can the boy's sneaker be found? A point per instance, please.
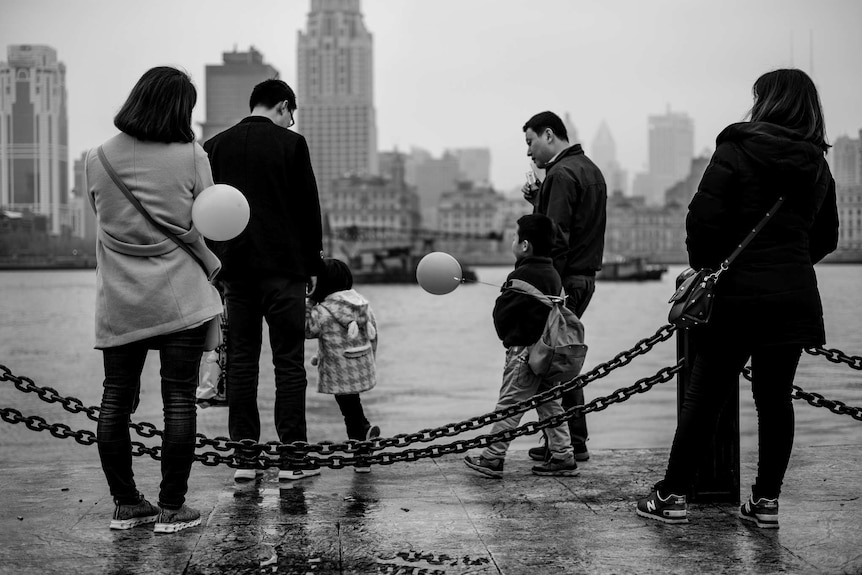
(373, 431)
(244, 475)
(763, 512)
(490, 467)
(558, 467)
(173, 520)
(296, 474)
(668, 509)
(542, 453)
(128, 516)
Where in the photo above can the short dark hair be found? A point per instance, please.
(788, 97)
(539, 230)
(159, 107)
(334, 277)
(544, 120)
(270, 92)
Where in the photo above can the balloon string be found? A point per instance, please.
(465, 280)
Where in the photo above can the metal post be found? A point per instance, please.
(718, 475)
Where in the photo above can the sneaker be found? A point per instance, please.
(128, 516)
(296, 474)
(670, 509)
(373, 431)
(542, 453)
(485, 466)
(173, 520)
(763, 512)
(558, 467)
(245, 475)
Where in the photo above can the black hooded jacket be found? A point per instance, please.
(769, 294)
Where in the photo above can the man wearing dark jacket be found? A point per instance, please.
(574, 196)
(268, 267)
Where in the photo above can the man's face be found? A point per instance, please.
(538, 147)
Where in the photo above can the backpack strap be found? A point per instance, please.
(527, 288)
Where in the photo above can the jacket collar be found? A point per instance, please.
(531, 260)
(570, 151)
(256, 119)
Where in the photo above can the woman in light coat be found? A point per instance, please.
(150, 294)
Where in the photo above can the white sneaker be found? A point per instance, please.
(247, 475)
(295, 474)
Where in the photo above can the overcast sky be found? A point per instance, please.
(464, 73)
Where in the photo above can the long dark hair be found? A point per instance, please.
(159, 108)
(789, 98)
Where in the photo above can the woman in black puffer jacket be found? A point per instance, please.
(767, 306)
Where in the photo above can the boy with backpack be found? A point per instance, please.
(519, 319)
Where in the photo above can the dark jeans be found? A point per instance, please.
(180, 357)
(354, 417)
(281, 301)
(579, 291)
(715, 371)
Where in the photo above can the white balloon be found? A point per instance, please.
(220, 212)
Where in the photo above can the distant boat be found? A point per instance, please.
(391, 265)
(622, 268)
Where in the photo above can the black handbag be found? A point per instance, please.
(691, 303)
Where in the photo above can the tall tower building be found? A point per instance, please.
(846, 160)
(335, 92)
(229, 86)
(603, 153)
(34, 157)
(671, 149)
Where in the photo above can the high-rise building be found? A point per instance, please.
(336, 92)
(34, 157)
(603, 153)
(846, 160)
(433, 177)
(229, 86)
(671, 148)
(474, 164)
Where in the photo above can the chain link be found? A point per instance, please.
(837, 356)
(817, 400)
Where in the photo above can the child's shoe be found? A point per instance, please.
(362, 467)
(669, 509)
(140, 513)
(490, 467)
(763, 512)
(173, 520)
(558, 467)
(297, 474)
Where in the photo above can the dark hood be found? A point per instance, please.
(781, 151)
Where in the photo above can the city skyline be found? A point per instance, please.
(453, 75)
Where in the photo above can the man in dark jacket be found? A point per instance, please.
(574, 196)
(267, 268)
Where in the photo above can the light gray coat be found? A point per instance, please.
(146, 285)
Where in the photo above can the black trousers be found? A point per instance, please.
(579, 291)
(716, 368)
(354, 416)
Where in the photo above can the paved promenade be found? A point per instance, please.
(434, 517)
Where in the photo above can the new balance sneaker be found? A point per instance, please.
(173, 520)
(763, 512)
(128, 516)
(558, 467)
(244, 475)
(296, 474)
(669, 509)
(490, 467)
(542, 453)
(373, 431)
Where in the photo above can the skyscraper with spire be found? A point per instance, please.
(335, 92)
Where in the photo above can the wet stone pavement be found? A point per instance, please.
(434, 517)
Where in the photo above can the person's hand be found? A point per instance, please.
(531, 192)
(311, 285)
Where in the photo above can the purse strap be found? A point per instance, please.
(135, 202)
(726, 263)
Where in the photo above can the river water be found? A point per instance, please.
(439, 361)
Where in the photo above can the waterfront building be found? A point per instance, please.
(470, 219)
(845, 158)
(34, 157)
(603, 153)
(82, 218)
(850, 217)
(229, 86)
(434, 176)
(671, 148)
(335, 92)
(474, 164)
(637, 229)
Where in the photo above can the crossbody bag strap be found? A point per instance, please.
(726, 263)
(135, 202)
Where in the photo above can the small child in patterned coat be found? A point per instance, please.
(342, 320)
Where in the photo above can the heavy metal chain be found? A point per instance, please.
(274, 454)
(818, 400)
(837, 356)
(301, 449)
